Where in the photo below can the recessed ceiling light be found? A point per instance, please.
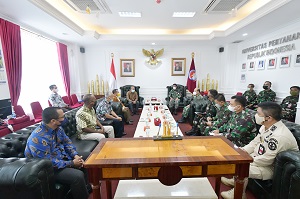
(130, 14)
(153, 43)
(245, 34)
(184, 14)
(64, 33)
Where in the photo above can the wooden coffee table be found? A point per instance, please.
(169, 161)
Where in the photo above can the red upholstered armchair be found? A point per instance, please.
(37, 111)
(67, 101)
(21, 121)
(74, 101)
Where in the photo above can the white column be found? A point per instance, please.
(297, 121)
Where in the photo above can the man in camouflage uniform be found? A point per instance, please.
(211, 111)
(267, 95)
(289, 104)
(174, 96)
(222, 117)
(241, 127)
(197, 97)
(250, 96)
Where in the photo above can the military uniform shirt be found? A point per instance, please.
(240, 129)
(51, 144)
(267, 144)
(288, 106)
(174, 94)
(266, 96)
(250, 96)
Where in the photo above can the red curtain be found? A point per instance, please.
(11, 46)
(64, 65)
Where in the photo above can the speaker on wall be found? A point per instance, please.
(82, 50)
(221, 49)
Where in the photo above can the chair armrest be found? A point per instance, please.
(286, 177)
(25, 174)
(124, 100)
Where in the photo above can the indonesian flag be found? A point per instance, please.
(192, 77)
(112, 76)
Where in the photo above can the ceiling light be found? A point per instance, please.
(88, 9)
(245, 34)
(153, 43)
(130, 14)
(184, 14)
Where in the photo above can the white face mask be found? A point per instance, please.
(231, 108)
(218, 106)
(259, 120)
(174, 87)
(55, 90)
(248, 89)
(194, 93)
(132, 90)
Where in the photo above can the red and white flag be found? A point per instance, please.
(192, 77)
(112, 76)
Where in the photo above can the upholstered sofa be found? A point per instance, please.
(286, 179)
(31, 178)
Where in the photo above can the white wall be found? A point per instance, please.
(282, 78)
(152, 79)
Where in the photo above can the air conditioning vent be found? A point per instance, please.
(224, 6)
(95, 6)
(238, 41)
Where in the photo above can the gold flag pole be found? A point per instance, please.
(89, 87)
(97, 85)
(193, 55)
(92, 87)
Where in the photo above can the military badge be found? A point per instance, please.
(261, 149)
(273, 128)
(272, 144)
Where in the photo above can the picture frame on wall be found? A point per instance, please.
(243, 77)
(244, 67)
(178, 66)
(272, 63)
(261, 64)
(127, 67)
(285, 61)
(251, 65)
(297, 59)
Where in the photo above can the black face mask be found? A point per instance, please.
(265, 87)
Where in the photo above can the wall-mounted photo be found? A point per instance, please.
(285, 61)
(272, 63)
(127, 67)
(244, 66)
(261, 64)
(251, 65)
(178, 67)
(243, 77)
(297, 59)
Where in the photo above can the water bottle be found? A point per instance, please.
(13, 114)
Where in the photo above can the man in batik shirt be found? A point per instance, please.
(56, 100)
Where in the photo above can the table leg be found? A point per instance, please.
(108, 189)
(94, 180)
(239, 187)
(217, 185)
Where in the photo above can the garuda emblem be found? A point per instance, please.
(153, 56)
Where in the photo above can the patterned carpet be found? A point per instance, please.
(130, 129)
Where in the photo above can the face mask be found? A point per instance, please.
(259, 120)
(119, 94)
(194, 93)
(231, 108)
(55, 90)
(248, 89)
(294, 93)
(265, 87)
(132, 90)
(174, 87)
(218, 106)
(64, 122)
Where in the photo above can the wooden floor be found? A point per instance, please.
(130, 129)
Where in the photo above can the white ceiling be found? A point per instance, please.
(55, 19)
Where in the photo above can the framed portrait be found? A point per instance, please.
(285, 61)
(244, 67)
(297, 59)
(127, 67)
(243, 77)
(251, 65)
(261, 64)
(272, 63)
(178, 67)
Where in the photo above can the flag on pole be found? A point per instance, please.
(112, 76)
(192, 77)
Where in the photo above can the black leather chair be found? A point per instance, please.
(125, 89)
(182, 90)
